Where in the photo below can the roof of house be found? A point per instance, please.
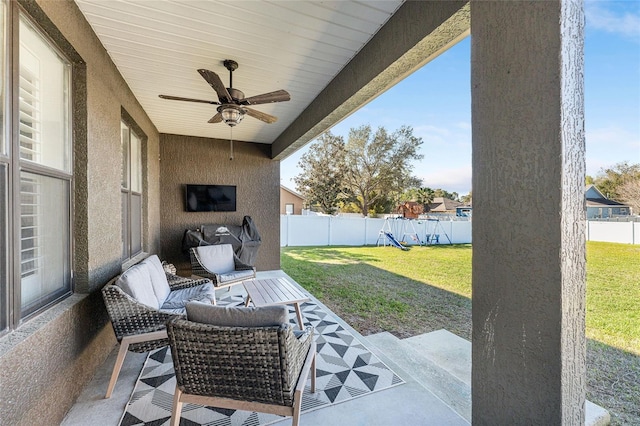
(600, 202)
(596, 199)
(441, 204)
(291, 191)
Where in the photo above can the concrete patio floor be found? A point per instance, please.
(436, 368)
(409, 403)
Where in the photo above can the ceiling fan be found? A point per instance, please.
(233, 104)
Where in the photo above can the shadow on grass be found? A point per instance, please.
(373, 300)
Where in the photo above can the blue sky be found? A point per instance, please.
(436, 102)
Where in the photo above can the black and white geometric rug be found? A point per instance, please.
(345, 369)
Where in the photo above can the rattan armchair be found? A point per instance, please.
(220, 264)
(139, 327)
(262, 369)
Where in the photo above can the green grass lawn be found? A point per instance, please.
(428, 288)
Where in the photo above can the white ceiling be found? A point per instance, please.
(298, 46)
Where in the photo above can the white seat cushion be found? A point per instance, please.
(136, 282)
(178, 298)
(158, 278)
(217, 258)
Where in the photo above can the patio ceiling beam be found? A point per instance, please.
(417, 33)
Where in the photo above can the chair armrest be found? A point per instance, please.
(177, 282)
(130, 317)
(295, 353)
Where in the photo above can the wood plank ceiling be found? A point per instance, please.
(299, 46)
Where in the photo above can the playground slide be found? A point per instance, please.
(394, 242)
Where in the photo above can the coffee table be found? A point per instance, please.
(275, 291)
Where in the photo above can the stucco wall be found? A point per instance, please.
(45, 363)
(528, 213)
(185, 159)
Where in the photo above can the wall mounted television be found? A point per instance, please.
(210, 198)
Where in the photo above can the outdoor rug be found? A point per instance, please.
(345, 369)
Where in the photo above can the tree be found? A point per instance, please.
(466, 199)
(613, 178)
(425, 197)
(321, 180)
(378, 165)
(630, 194)
(445, 194)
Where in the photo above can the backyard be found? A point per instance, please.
(424, 289)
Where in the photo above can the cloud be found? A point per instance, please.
(624, 23)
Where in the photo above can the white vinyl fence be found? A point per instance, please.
(297, 230)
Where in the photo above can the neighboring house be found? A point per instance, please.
(600, 207)
(464, 211)
(290, 201)
(444, 205)
(410, 209)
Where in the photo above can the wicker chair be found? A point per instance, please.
(138, 327)
(262, 369)
(220, 264)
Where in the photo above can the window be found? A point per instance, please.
(288, 208)
(36, 163)
(131, 189)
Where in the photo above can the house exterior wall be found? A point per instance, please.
(287, 197)
(194, 160)
(46, 362)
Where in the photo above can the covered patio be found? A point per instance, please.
(411, 402)
(129, 153)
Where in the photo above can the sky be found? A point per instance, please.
(436, 103)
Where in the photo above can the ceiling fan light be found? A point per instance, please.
(231, 115)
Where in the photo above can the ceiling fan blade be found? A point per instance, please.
(265, 98)
(262, 116)
(179, 98)
(217, 85)
(216, 118)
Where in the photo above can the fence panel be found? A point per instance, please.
(347, 231)
(296, 230)
(613, 232)
(308, 230)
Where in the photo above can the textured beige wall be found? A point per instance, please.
(186, 159)
(47, 361)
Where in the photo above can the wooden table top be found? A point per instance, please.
(273, 291)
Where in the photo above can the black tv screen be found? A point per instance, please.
(210, 198)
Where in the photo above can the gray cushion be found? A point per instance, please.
(236, 276)
(136, 282)
(217, 258)
(178, 298)
(158, 278)
(235, 316)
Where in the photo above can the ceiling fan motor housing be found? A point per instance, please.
(236, 94)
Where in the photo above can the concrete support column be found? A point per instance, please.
(528, 212)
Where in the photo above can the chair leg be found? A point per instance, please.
(313, 373)
(177, 408)
(122, 352)
(297, 405)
